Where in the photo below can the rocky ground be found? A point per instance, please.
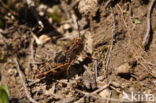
(77, 51)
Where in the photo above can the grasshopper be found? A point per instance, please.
(64, 60)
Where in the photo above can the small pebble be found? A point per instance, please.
(123, 69)
(66, 26)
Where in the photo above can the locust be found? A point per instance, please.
(64, 60)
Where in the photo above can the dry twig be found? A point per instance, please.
(91, 94)
(104, 5)
(146, 68)
(147, 36)
(32, 55)
(142, 62)
(151, 64)
(21, 75)
(108, 55)
(95, 70)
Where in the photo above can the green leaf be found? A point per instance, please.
(136, 21)
(4, 95)
(55, 16)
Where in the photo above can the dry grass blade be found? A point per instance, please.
(23, 82)
(147, 36)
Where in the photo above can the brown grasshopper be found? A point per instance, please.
(68, 57)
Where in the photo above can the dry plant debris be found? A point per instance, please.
(77, 51)
(147, 36)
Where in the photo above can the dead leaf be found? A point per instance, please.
(42, 39)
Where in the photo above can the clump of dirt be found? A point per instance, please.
(91, 50)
